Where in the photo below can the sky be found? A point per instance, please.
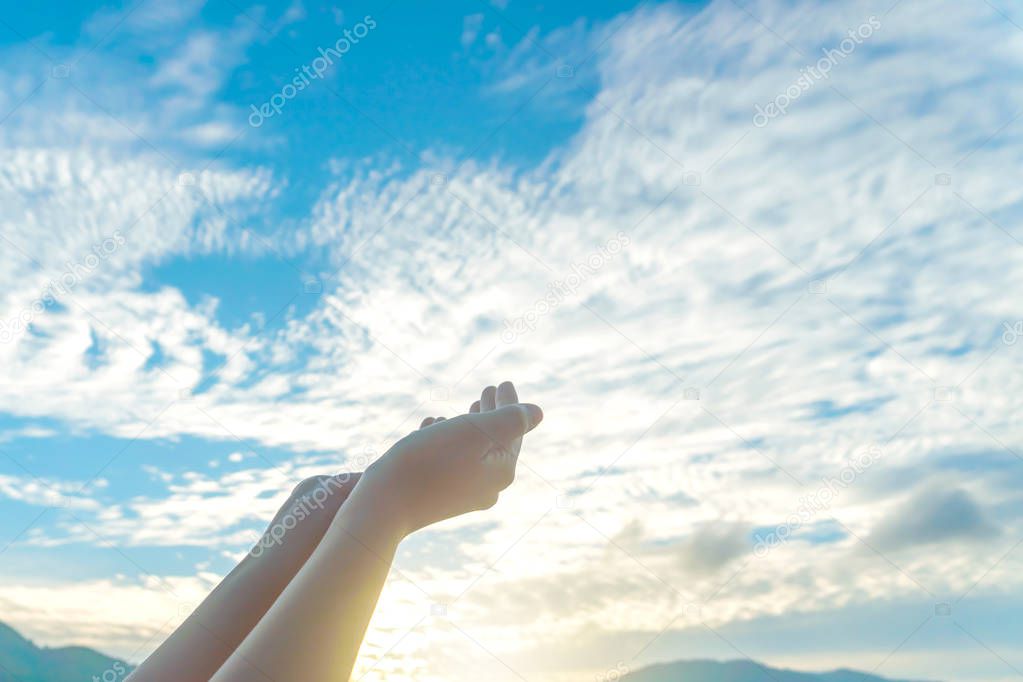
(757, 260)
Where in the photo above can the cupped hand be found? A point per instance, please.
(453, 466)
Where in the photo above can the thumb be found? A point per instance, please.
(507, 423)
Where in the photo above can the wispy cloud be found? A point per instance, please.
(791, 295)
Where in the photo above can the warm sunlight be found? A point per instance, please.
(753, 266)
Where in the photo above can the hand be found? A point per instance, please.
(452, 466)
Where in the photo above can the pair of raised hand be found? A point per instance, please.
(271, 617)
(448, 467)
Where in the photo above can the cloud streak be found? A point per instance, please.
(790, 295)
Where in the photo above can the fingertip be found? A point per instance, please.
(475, 407)
(488, 400)
(506, 394)
(507, 423)
(534, 415)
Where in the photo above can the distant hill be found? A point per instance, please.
(23, 661)
(740, 671)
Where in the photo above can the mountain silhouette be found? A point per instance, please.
(23, 661)
(738, 671)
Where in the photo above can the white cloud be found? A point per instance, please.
(69, 613)
(471, 29)
(201, 65)
(812, 281)
(47, 492)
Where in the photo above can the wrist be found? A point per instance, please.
(374, 511)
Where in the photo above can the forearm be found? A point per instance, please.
(314, 629)
(201, 644)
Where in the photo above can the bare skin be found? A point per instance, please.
(212, 633)
(447, 468)
(201, 644)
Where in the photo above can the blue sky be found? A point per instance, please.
(757, 261)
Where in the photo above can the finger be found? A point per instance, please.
(439, 419)
(426, 422)
(507, 423)
(488, 400)
(475, 407)
(506, 394)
